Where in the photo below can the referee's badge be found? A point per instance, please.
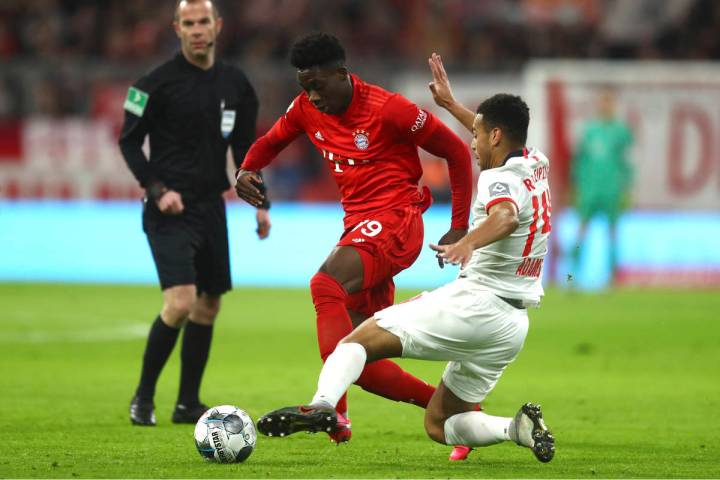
(136, 101)
(228, 122)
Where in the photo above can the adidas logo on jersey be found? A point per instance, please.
(319, 136)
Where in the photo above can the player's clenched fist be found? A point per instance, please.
(249, 186)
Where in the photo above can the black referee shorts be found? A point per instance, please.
(190, 248)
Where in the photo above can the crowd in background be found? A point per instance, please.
(71, 57)
(472, 34)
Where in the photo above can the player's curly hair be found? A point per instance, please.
(509, 113)
(317, 50)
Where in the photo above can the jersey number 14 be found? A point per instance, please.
(545, 227)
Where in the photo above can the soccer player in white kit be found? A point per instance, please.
(479, 321)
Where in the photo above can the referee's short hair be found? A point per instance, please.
(317, 50)
(507, 112)
(215, 11)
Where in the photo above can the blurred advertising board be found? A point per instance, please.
(671, 107)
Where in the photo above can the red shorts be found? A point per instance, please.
(388, 241)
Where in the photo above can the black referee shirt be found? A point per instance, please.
(191, 116)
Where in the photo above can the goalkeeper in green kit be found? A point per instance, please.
(601, 172)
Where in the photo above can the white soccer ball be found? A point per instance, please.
(225, 434)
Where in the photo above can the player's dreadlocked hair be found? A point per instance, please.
(317, 50)
(508, 113)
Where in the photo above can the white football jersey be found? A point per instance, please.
(512, 267)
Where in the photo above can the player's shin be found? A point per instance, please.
(476, 429)
(333, 320)
(341, 369)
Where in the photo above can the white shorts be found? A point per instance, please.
(477, 331)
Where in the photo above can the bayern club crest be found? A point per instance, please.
(362, 140)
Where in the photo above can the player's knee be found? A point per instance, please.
(358, 335)
(434, 427)
(435, 421)
(324, 287)
(377, 342)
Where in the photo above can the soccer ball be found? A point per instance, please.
(225, 434)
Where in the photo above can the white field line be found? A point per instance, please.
(85, 335)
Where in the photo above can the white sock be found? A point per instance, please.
(341, 369)
(476, 429)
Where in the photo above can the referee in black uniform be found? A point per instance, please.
(192, 108)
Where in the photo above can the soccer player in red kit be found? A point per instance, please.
(369, 139)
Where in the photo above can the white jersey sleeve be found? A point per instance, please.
(495, 186)
(512, 267)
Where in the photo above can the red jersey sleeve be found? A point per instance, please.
(266, 148)
(427, 132)
(407, 119)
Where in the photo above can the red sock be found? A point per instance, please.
(387, 379)
(333, 320)
(341, 406)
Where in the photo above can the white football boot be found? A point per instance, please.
(528, 429)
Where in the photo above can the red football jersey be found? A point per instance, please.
(370, 150)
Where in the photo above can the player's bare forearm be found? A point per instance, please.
(501, 222)
(462, 114)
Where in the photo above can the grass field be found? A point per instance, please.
(629, 382)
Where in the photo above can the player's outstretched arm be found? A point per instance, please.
(443, 96)
(443, 143)
(501, 222)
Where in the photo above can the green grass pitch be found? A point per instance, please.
(629, 382)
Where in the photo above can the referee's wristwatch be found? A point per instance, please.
(155, 190)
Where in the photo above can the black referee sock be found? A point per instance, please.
(160, 344)
(194, 356)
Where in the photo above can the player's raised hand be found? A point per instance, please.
(451, 236)
(170, 203)
(262, 216)
(440, 86)
(249, 186)
(458, 253)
